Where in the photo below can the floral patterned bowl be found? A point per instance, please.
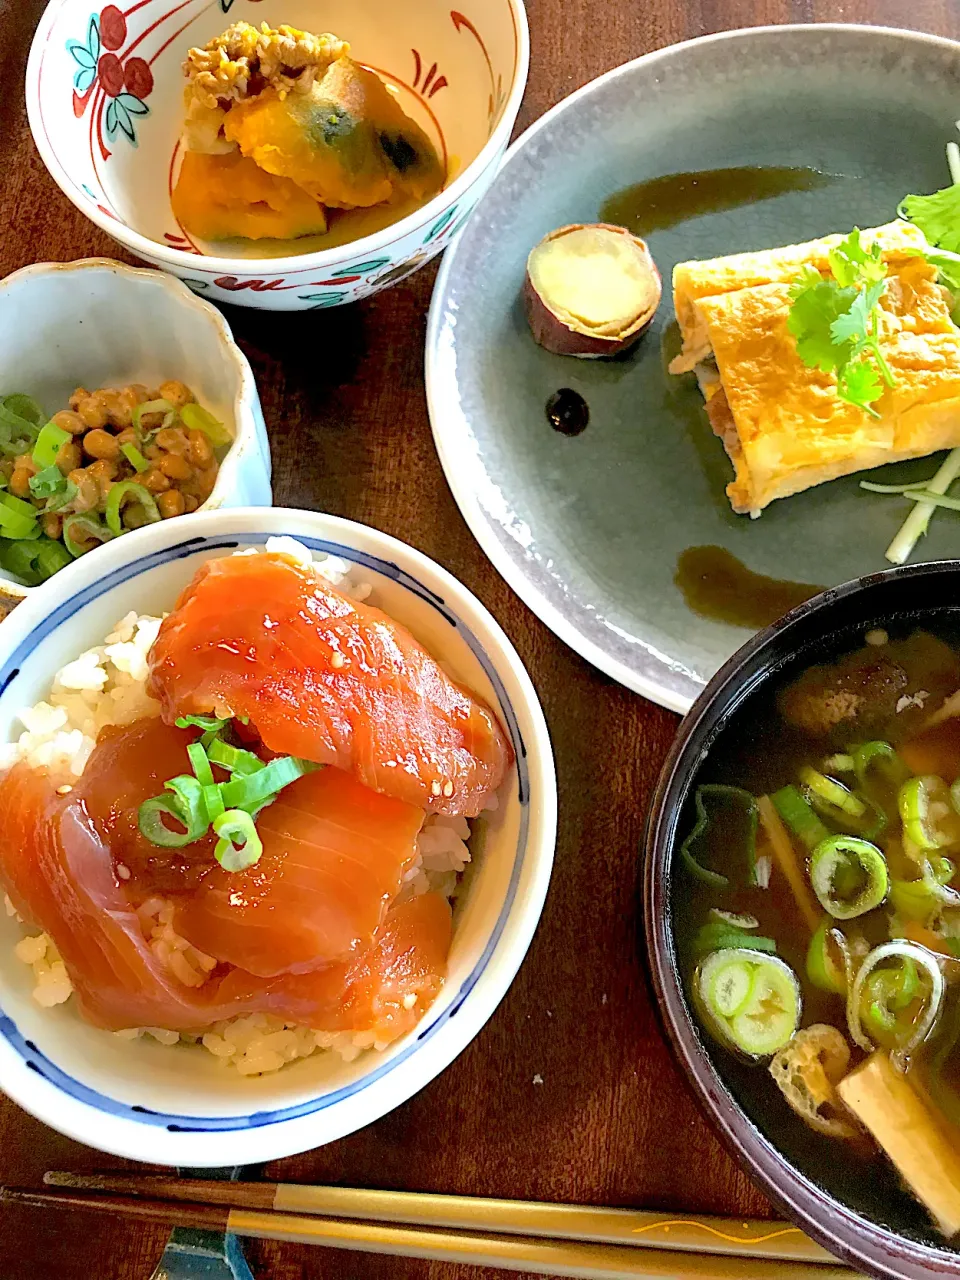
(104, 97)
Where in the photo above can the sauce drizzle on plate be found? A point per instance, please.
(716, 585)
(663, 202)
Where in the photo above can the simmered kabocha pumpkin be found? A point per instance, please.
(280, 125)
(219, 197)
(347, 142)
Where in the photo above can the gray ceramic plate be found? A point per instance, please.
(588, 530)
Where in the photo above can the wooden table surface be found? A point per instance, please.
(612, 1121)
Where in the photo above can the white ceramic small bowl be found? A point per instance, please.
(98, 323)
(179, 1106)
(104, 98)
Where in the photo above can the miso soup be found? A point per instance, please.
(816, 894)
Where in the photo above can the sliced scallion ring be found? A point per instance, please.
(903, 991)
(824, 969)
(238, 761)
(832, 792)
(733, 920)
(197, 418)
(799, 816)
(252, 791)
(207, 723)
(151, 406)
(239, 846)
(153, 828)
(848, 875)
(880, 757)
(81, 533)
(923, 803)
(51, 558)
(135, 458)
(761, 993)
(720, 936)
(728, 795)
(22, 559)
(49, 442)
(120, 495)
(213, 802)
(200, 764)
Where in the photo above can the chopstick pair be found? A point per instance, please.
(546, 1239)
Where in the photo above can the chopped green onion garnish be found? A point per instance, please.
(120, 495)
(256, 789)
(81, 533)
(47, 482)
(799, 816)
(17, 506)
(719, 936)
(151, 406)
(750, 1000)
(197, 418)
(15, 527)
(235, 758)
(20, 421)
(824, 969)
(200, 764)
(914, 899)
(213, 802)
(833, 792)
(135, 457)
(153, 828)
(20, 409)
(206, 723)
(239, 846)
(49, 443)
(730, 795)
(51, 558)
(849, 876)
(22, 560)
(920, 801)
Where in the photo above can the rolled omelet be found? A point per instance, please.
(782, 423)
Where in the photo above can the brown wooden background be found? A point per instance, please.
(612, 1122)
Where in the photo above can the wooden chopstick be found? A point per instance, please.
(578, 1259)
(637, 1228)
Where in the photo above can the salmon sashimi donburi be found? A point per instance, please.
(324, 678)
(313, 933)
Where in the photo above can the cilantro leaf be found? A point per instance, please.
(857, 324)
(859, 383)
(852, 264)
(937, 216)
(835, 321)
(815, 309)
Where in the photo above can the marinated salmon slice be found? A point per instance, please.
(61, 858)
(386, 991)
(334, 855)
(59, 875)
(325, 678)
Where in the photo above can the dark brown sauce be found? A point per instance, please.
(715, 584)
(663, 202)
(568, 412)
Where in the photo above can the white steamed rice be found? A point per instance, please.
(106, 685)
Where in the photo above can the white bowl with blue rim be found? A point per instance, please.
(178, 1105)
(99, 323)
(104, 95)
